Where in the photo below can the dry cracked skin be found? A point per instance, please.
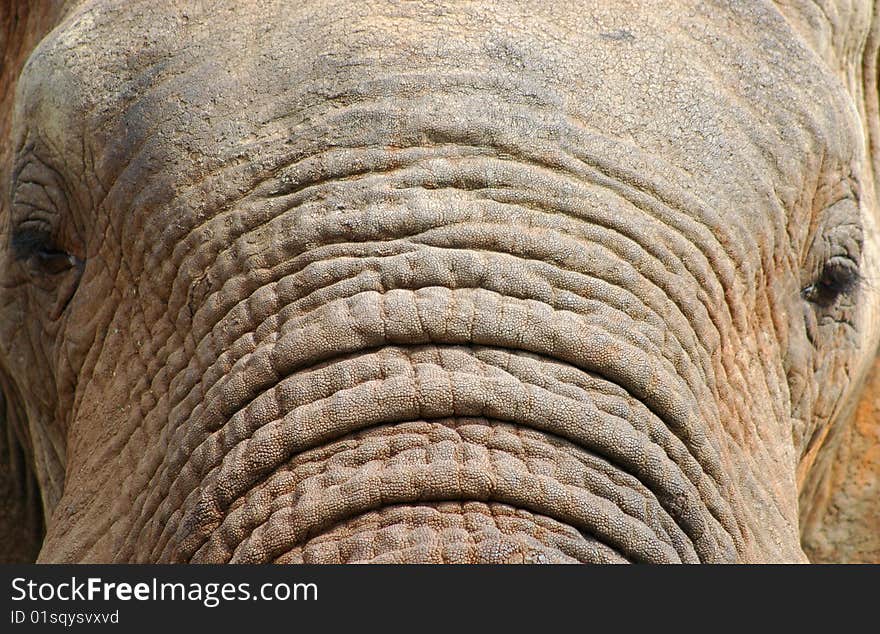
(457, 281)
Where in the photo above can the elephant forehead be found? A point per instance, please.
(726, 100)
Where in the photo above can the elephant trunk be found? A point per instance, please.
(447, 452)
(443, 354)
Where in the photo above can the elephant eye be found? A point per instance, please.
(35, 247)
(839, 276)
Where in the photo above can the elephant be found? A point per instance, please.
(439, 281)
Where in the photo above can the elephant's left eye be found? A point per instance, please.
(839, 276)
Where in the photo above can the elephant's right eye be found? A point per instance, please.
(34, 247)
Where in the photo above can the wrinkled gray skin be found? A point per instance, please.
(443, 281)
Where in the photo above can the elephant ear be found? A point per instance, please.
(840, 496)
(841, 522)
(23, 23)
(21, 519)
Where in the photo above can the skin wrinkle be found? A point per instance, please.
(575, 456)
(499, 515)
(663, 440)
(657, 279)
(391, 429)
(537, 552)
(720, 330)
(454, 409)
(449, 555)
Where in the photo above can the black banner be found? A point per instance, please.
(228, 598)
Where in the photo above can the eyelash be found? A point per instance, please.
(839, 276)
(35, 246)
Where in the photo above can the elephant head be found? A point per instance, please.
(334, 281)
